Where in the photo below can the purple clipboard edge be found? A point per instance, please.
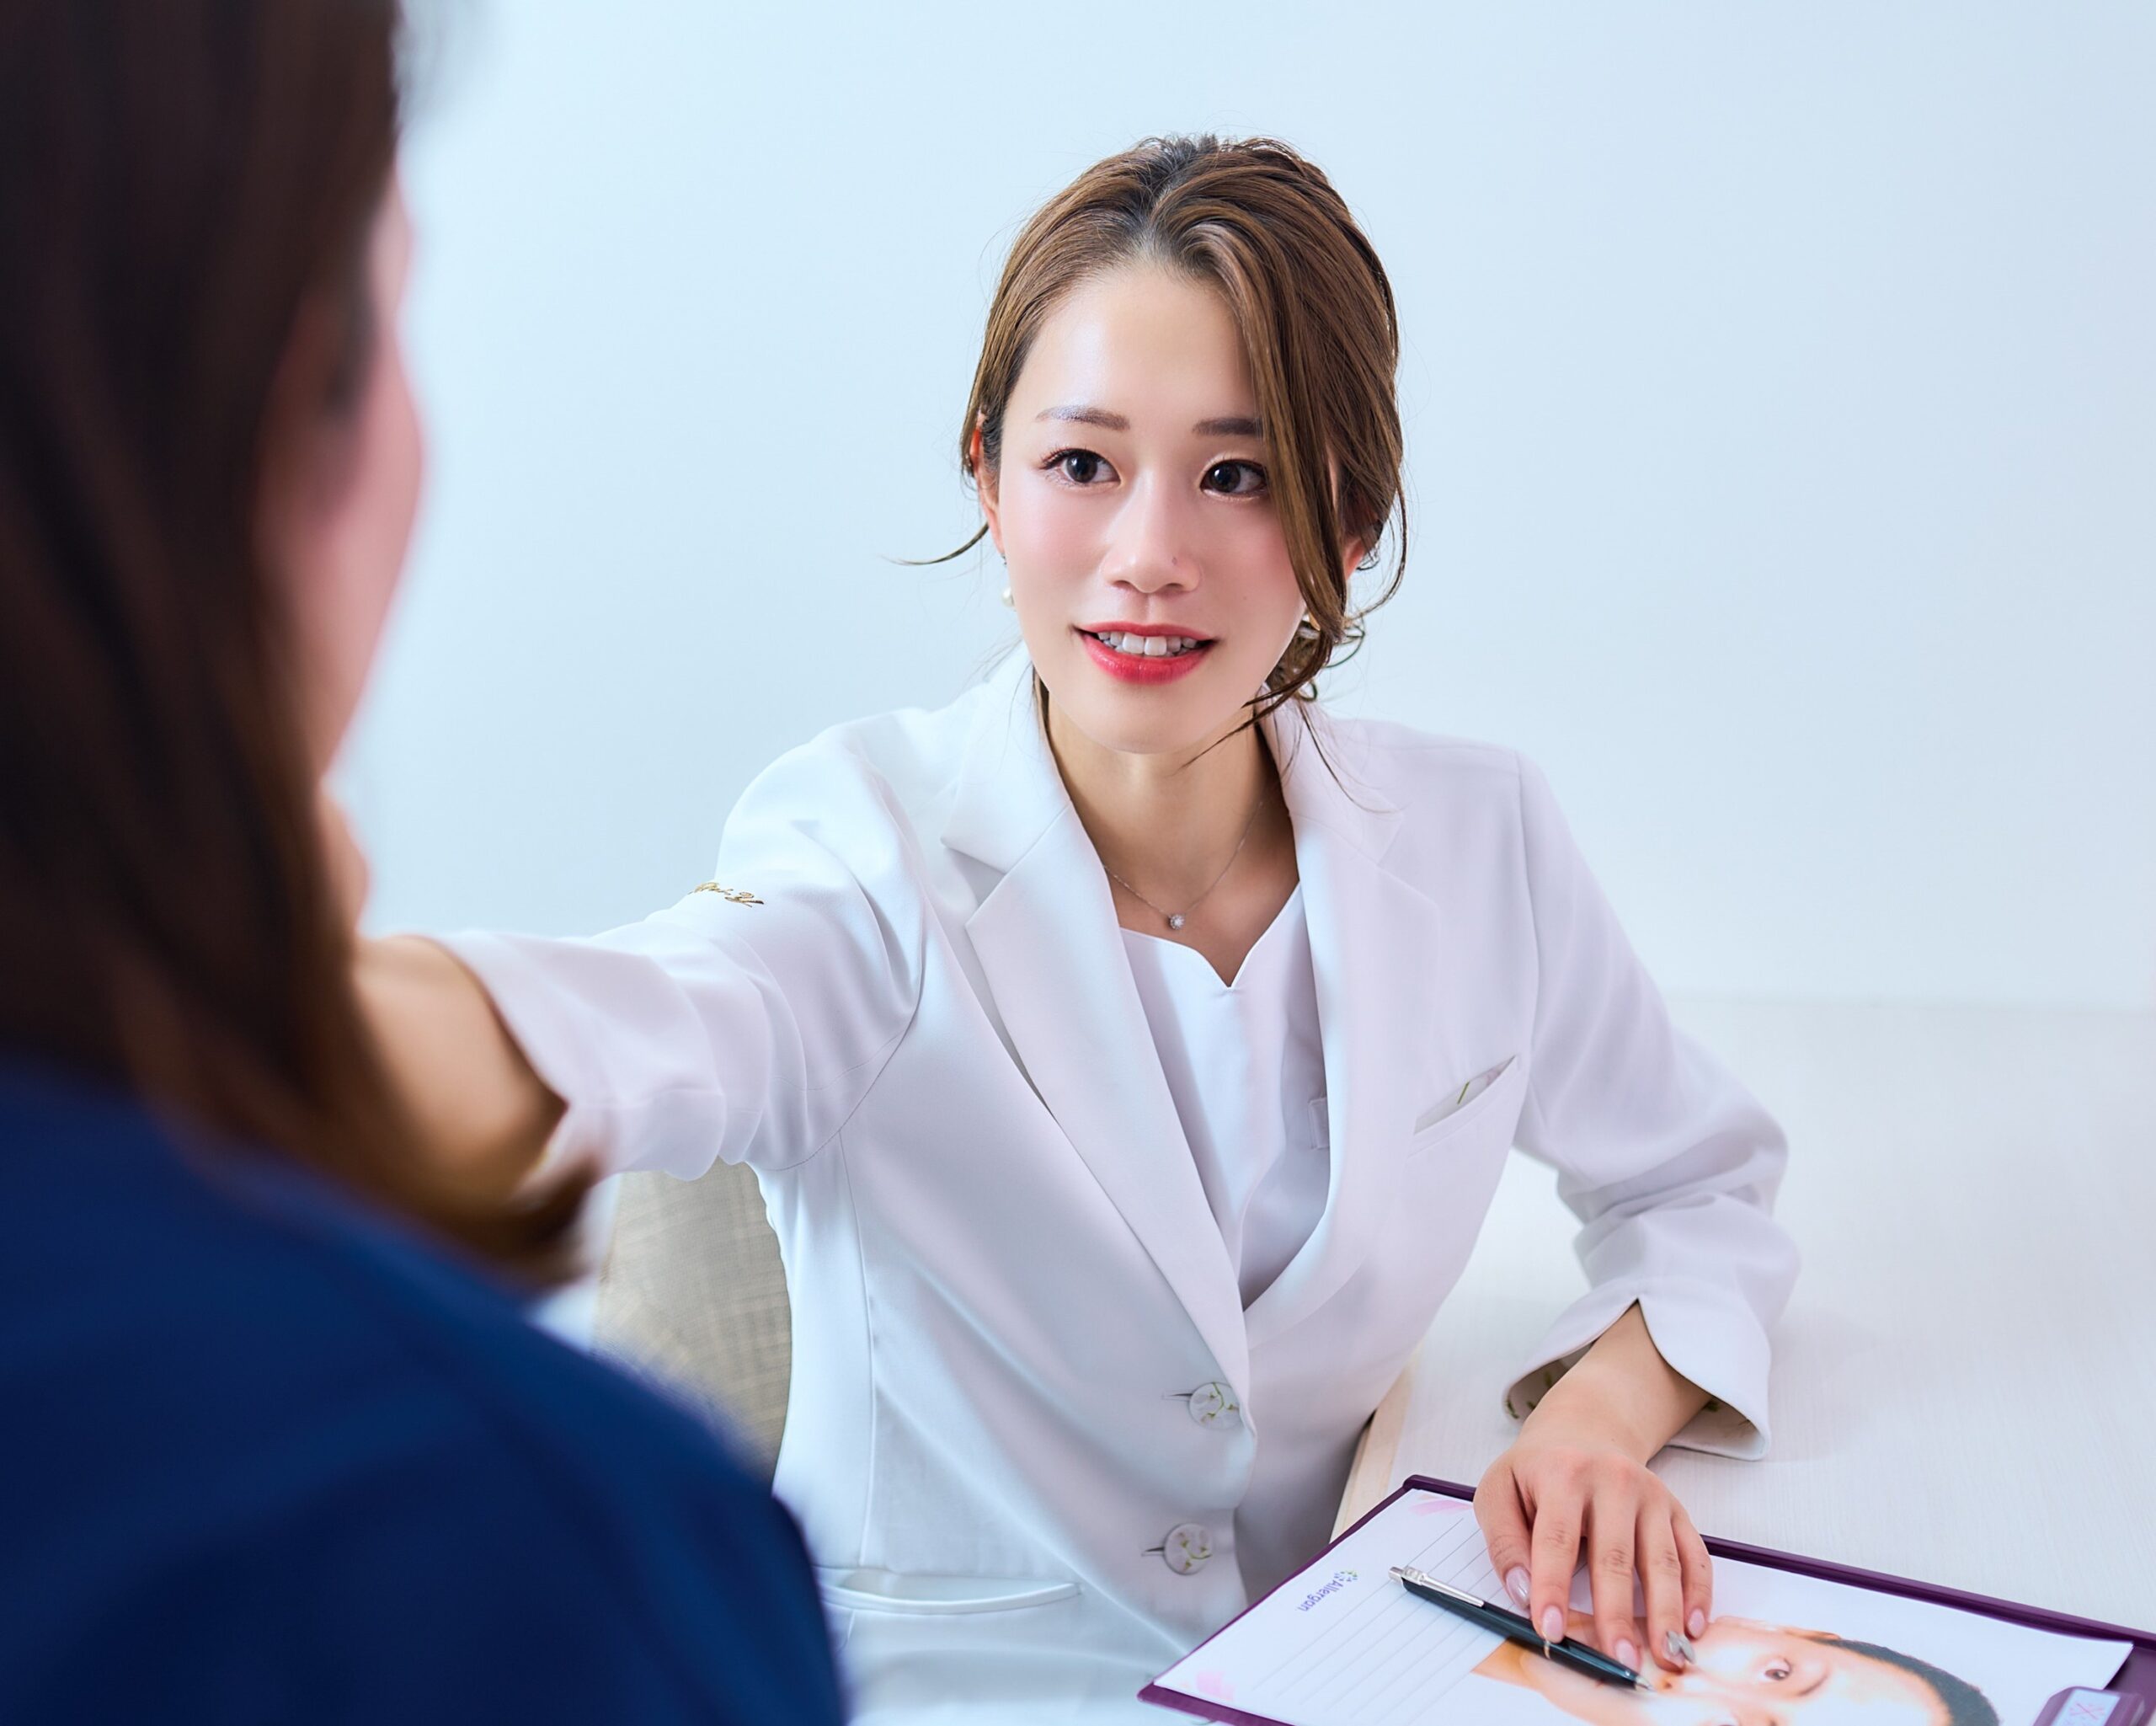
(2136, 1678)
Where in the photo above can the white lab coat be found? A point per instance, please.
(1006, 1284)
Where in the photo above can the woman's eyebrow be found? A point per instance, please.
(1229, 425)
(1088, 416)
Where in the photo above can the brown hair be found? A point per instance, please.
(187, 194)
(1320, 332)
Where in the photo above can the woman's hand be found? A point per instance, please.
(1575, 1487)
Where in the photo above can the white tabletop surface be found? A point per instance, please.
(1965, 1386)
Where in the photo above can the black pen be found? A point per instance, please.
(1514, 1628)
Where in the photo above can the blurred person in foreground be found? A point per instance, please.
(280, 1445)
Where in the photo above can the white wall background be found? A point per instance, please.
(1781, 392)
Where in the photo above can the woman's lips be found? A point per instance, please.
(1142, 668)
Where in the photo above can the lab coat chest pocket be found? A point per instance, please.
(1479, 1115)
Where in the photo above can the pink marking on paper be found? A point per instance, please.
(1215, 1685)
(1432, 1505)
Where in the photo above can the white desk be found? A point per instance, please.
(1965, 1386)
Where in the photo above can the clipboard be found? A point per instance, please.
(2134, 1687)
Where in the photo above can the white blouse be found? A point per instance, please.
(1246, 1067)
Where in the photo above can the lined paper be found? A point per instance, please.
(1343, 1645)
(1343, 1640)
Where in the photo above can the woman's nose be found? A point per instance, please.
(1150, 552)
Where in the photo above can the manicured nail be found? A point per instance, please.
(1697, 1623)
(1553, 1624)
(1627, 1656)
(1515, 1586)
(1679, 1646)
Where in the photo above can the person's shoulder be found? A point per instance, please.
(907, 747)
(865, 779)
(255, 1282)
(614, 1500)
(1410, 766)
(441, 1325)
(1447, 804)
(260, 1377)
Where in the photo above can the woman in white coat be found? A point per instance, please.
(1129, 1050)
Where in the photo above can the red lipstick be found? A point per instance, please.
(1138, 667)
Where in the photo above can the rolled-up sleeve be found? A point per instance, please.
(722, 1029)
(1670, 1164)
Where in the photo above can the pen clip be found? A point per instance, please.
(1422, 1579)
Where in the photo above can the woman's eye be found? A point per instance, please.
(1079, 467)
(1776, 1670)
(1236, 478)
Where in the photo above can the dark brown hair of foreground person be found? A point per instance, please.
(1320, 330)
(187, 190)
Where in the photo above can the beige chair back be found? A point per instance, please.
(691, 1293)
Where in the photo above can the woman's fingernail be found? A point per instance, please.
(1516, 1586)
(1679, 1647)
(1697, 1623)
(1553, 1624)
(1627, 1656)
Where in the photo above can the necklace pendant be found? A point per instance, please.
(1176, 921)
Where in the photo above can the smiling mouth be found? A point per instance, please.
(1146, 647)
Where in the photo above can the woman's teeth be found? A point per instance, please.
(1152, 647)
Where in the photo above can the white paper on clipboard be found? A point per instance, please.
(1342, 1642)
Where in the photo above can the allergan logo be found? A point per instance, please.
(1341, 1579)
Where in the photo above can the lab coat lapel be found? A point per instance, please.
(1375, 945)
(1051, 950)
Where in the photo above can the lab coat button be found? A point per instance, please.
(1186, 1549)
(1212, 1404)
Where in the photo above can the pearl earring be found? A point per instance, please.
(1008, 601)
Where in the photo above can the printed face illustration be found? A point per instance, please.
(1745, 1674)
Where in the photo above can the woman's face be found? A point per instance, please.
(1133, 505)
(1747, 1674)
(340, 537)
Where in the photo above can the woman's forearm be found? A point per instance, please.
(459, 1073)
(1623, 1389)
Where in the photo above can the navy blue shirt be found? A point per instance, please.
(264, 1458)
